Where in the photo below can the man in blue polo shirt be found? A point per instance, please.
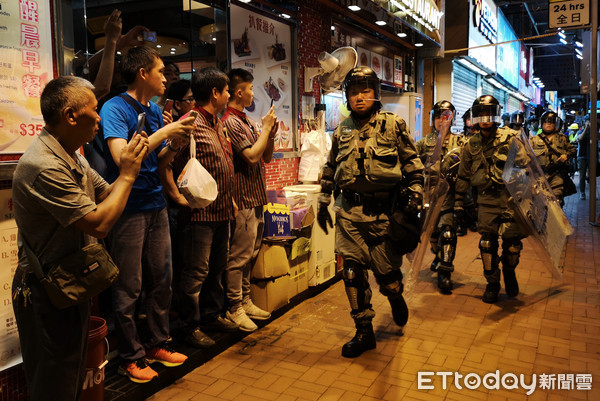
(141, 236)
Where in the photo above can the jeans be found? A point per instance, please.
(246, 229)
(582, 164)
(141, 248)
(206, 246)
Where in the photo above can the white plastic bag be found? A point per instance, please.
(195, 183)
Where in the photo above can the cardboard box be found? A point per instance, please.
(271, 262)
(277, 220)
(298, 275)
(270, 294)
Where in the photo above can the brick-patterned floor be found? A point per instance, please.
(552, 327)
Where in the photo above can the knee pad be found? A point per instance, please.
(447, 245)
(511, 250)
(488, 247)
(356, 284)
(390, 284)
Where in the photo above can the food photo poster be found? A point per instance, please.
(263, 46)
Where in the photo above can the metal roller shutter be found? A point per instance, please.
(464, 91)
(514, 104)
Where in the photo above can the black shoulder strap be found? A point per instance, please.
(138, 110)
(549, 145)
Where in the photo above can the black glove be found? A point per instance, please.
(460, 215)
(324, 217)
(414, 206)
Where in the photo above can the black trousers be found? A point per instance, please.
(53, 343)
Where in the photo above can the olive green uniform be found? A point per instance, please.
(481, 165)
(371, 165)
(547, 158)
(443, 238)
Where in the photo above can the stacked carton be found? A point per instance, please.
(270, 279)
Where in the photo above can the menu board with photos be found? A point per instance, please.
(26, 65)
(10, 350)
(263, 46)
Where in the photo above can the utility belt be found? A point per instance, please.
(493, 188)
(374, 203)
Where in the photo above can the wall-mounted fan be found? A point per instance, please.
(333, 70)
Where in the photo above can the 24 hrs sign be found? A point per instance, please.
(568, 13)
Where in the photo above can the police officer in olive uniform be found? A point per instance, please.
(481, 164)
(468, 124)
(517, 119)
(554, 152)
(374, 162)
(443, 238)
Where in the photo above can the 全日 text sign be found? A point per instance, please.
(568, 13)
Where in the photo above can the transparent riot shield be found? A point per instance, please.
(434, 193)
(537, 209)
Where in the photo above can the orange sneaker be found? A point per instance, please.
(137, 371)
(166, 355)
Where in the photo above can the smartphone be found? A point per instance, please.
(272, 101)
(149, 36)
(140, 123)
(168, 105)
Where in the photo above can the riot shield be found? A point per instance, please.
(536, 207)
(434, 193)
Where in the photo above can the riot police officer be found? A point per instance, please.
(554, 152)
(467, 124)
(444, 236)
(517, 119)
(481, 164)
(374, 162)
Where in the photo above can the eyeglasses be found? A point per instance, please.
(188, 99)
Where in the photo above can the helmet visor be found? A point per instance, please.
(486, 113)
(361, 86)
(517, 119)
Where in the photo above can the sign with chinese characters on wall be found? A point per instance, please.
(10, 350)
(568, 13)
(263, 46)
(26, 66)
(483, 30)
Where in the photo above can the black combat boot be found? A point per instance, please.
(363, 340)
(510, 281)
(490, 296)
(444, 282)
(399, 309)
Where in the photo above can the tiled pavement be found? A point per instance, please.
(552, 327)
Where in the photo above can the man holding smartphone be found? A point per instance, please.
(141, 236)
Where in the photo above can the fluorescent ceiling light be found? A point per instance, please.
(284, 16)
(354, 8)
(564, 42)
(578, 43)
(419, 44)
(472, 66)
(381, 23)
(245, 1)
(402, 34)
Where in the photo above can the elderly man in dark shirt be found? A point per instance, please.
(61, 204)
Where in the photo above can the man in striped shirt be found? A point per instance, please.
(251, 147)
(206, 237)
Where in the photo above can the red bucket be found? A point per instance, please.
(93, 385)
